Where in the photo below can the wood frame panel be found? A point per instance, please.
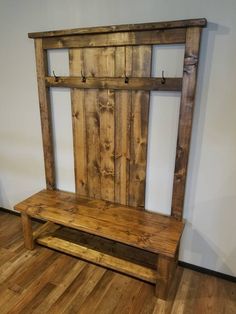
(156, 37)
(121, 28)
(191, 60)
(45, 114)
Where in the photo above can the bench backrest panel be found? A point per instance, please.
(110, 126)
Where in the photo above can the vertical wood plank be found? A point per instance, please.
(122, 127)
(165, 271)
(93, 143)
(79, 125)
(191, 58)
(99, 62)
(45, 113)
(106, 100)
(27, 231)
(139, 128)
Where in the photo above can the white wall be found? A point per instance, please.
(210, 208)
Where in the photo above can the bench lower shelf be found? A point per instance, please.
(99, 258)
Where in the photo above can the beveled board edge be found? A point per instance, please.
(200, 22)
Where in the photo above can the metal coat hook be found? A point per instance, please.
(163, 80)
(56, 78)
(126, 79)
(83, 77)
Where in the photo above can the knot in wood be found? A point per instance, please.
(76, 115)
(191, 60)
(107, 144)
(106, 106)
(106, 172)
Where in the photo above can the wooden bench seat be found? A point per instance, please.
(138, 228)
(132, 241)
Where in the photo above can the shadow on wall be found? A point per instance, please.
(4, 201)
(196, 246)
(205, 66)
(206, 254)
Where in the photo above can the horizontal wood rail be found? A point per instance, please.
(154, 37)
(46, 227)
(97, 257)
(134, 83)
(201, 22)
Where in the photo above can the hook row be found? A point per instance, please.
(126, 78)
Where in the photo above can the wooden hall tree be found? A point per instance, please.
(110, 80)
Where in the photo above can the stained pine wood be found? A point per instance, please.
(45, 113)
(141, 66)
(46, 227)
(106, 102)
(104, 126)
(97, 257)
(121, 28)
(191, 60)
(123, 101)
(149, 231)
(117, 83)
(106, 246)
(27, 231)
(79, 125)
(165, 271)
(160, 37)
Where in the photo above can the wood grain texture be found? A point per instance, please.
(46, 227)
(79, 125)
(123, 101)
(106, 103)
(149, 231)
(117, 83)
(27, 231)
(191, 60)
(165, 271)
(104, 127)
(26, 280)
(45, 113)
(106, 246)
(141, 66)
(156, 37)
(126, 27)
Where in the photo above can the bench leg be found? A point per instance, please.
(27, 231)
(165, 270)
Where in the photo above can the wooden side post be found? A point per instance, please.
(45, 113)
(27, 231)
(193, 36)
(165, 270)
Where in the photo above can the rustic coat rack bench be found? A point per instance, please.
(110, 80)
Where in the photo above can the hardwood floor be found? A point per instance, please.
(45, 281)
